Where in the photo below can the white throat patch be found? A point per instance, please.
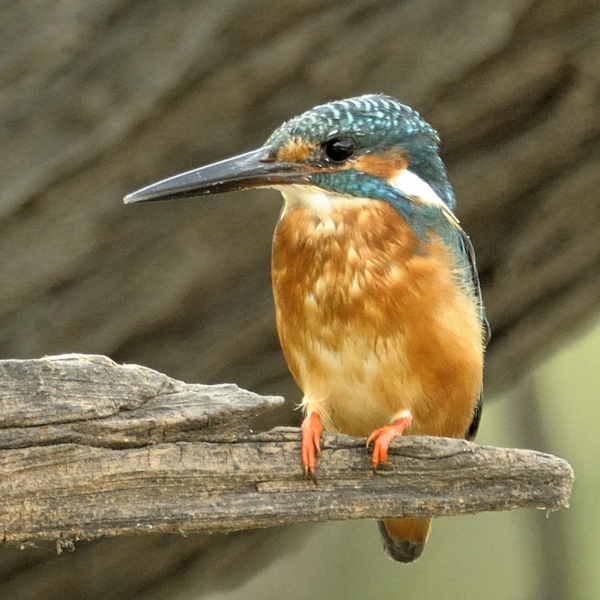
(318, 201)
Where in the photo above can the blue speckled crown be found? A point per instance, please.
(370, 118)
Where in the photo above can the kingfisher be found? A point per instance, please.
(377, 297)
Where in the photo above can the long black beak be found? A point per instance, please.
(251, 170)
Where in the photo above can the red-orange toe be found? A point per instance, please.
(382, 438)
(311, 443)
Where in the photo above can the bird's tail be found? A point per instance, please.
(404, 539)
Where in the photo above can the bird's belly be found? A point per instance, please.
(370, 328)
(360, 383)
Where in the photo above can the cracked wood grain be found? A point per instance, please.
(89, 448)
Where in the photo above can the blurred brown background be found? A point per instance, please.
(100, 98)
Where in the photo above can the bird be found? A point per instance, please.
(377, 296)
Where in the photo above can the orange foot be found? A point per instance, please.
(311, 443)
(382, 438)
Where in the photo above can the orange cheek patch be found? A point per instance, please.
(385, 165)
(295, 150)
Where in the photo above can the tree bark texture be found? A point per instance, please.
(90, 449)
(100, 98)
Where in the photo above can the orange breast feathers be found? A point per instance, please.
(372, 324)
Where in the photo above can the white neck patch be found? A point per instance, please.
(414, 187)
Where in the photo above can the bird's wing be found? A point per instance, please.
(469, 253)
(474, 284)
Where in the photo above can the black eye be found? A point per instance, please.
(340, 149)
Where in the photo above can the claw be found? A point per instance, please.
(382, 438)
(311, 444)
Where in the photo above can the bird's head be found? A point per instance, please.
(366, 147)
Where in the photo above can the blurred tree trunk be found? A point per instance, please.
(99, 98)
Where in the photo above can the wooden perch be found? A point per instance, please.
(89, 448)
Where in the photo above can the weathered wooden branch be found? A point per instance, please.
(89, 448)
